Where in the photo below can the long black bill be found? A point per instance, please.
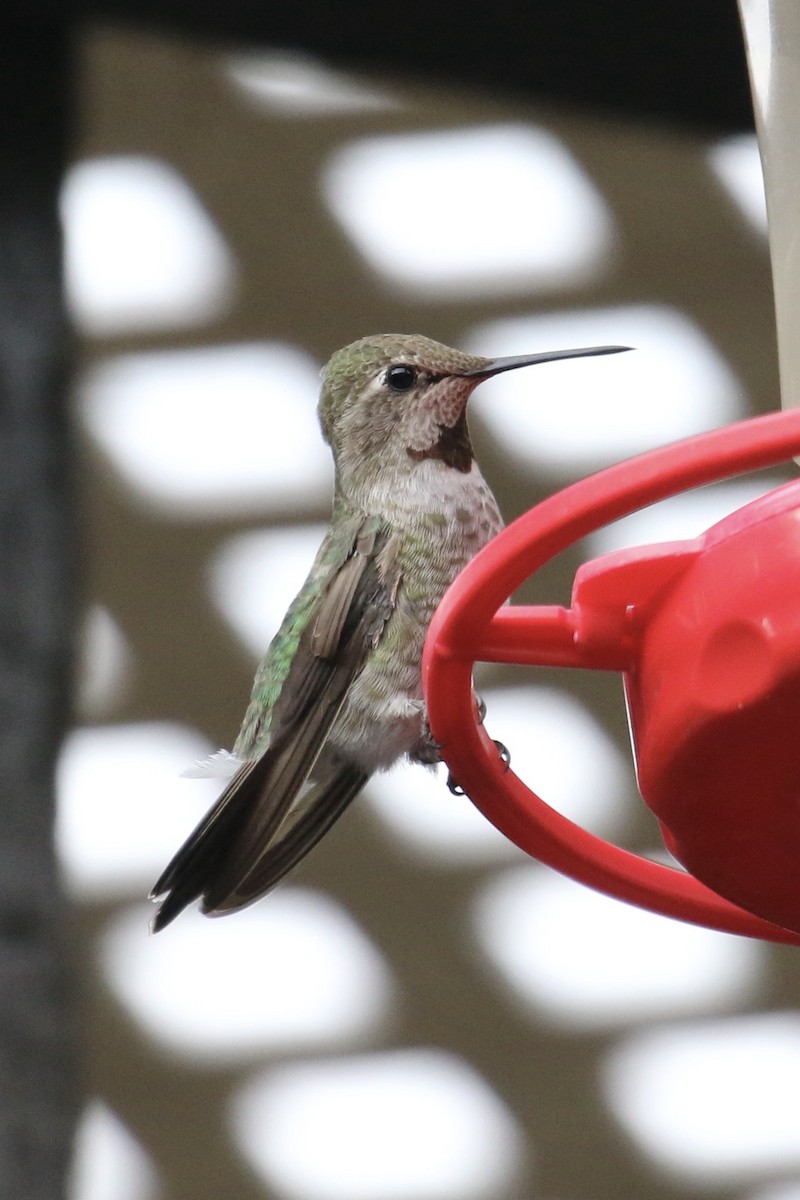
(496, 365)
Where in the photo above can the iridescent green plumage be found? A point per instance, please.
(271, 675)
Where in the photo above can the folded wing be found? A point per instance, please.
(245, 843)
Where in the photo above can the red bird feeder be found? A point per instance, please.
(706, 633)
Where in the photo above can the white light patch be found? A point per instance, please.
(585, 413)
(212, 430)
(786, 1191)
(556, 747)
(108, 1162)
(418, 809)
(777, 1191)
(405, 1125)
(470, 211)
(140, 251)
(254, 578)
(582, 959)
(712, 1102)
(681, 517)
(122, 808)
(736, 163)
(295, 84)
(294, 971)
(561, 752)
(104, 663)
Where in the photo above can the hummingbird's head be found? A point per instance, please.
(397, 396)
(395, 400)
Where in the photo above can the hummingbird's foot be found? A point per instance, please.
(427, 750)
(456, 789)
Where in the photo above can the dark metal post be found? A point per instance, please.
(37, 1077)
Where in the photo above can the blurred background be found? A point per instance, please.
(420, 1013)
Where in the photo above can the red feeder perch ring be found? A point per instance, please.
(707, 635)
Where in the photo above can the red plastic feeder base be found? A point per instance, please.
(707, 635)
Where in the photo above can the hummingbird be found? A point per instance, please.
(338, 694)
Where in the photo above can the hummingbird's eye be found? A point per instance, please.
(401, 377)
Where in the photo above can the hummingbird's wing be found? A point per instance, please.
(221, 860)
(322, 806)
